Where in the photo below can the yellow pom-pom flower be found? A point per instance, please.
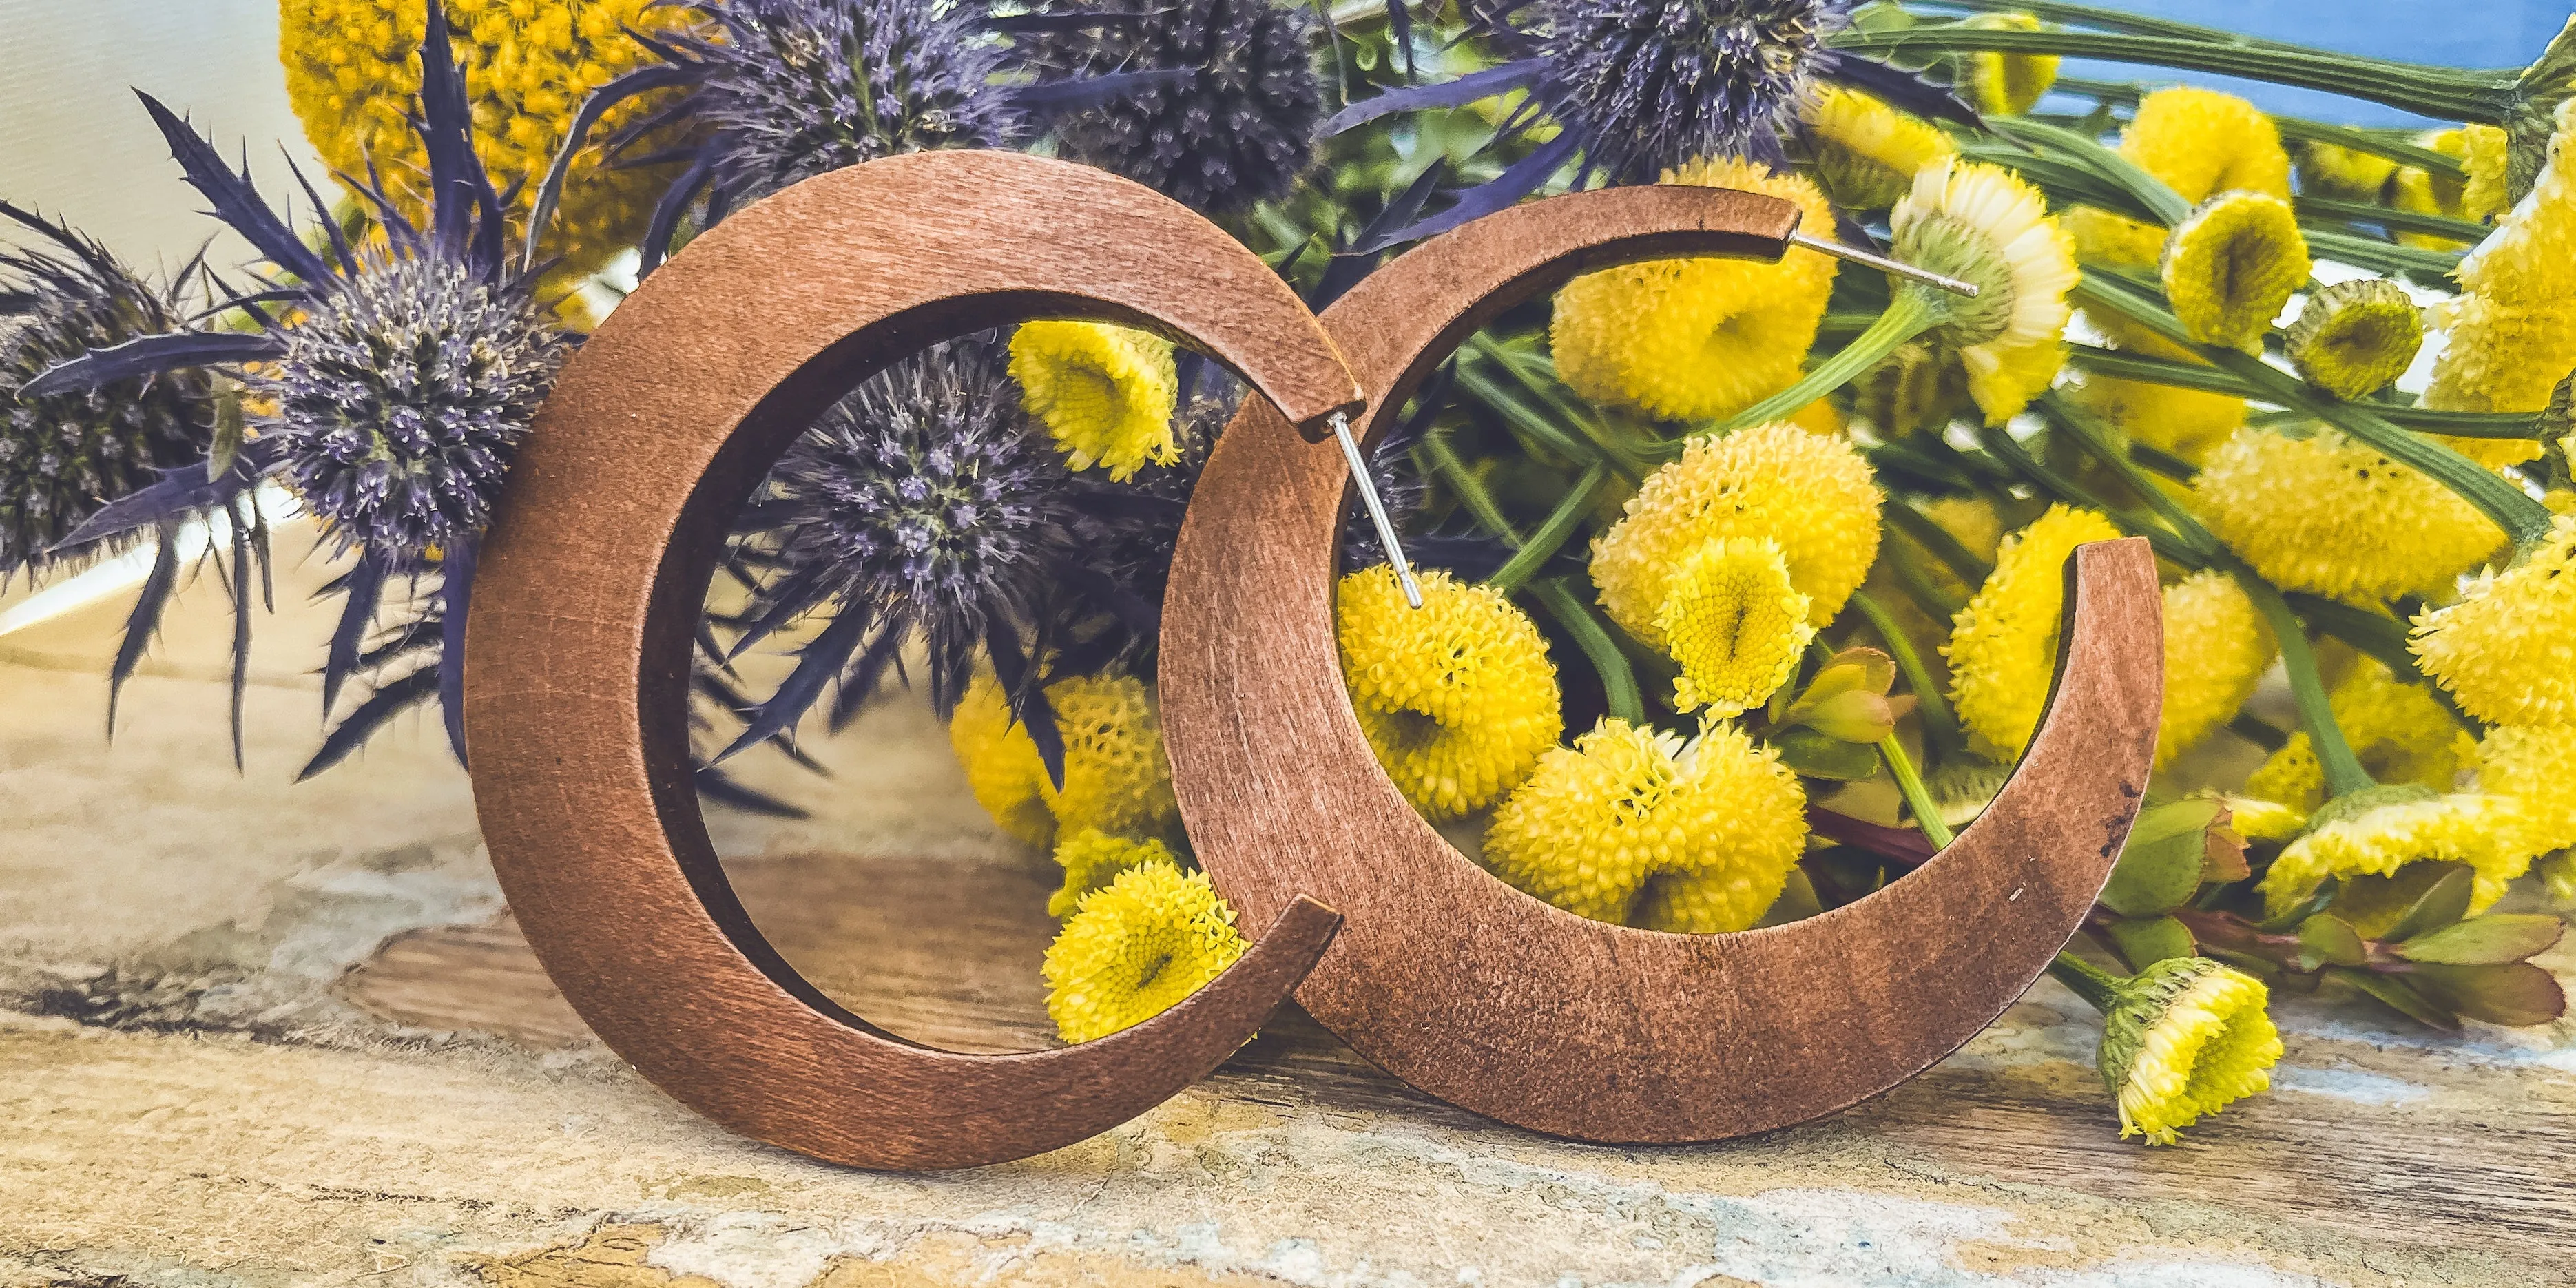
(1457, 697)
(2231, 266)
(2330, 516)
(2202, 143)
(2536, 766)
(1091, 859)
(2331, 171)
(1814, 496)
(2003, 647)
(1984, 224)
(1105, 392)
(2485, 156)
(2184, 1038)
(1734, 625)
(1133, 949)
(2426, 193)
(1969, 520)
(1116, 778)
(2378, 830)
(1866, 152)
(2507, 650)
(2008, 84)
(353, 75)
(1633, 826)
(2216, 650)
(2397, 729)
(2353, 338)
(2185, 423)
(2512, 336)
(1697, 339)
(2531, 256)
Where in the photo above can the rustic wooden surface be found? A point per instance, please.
(262, 1034)
(1491, 999)
(579, 649)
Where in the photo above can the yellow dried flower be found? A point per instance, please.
(2397, 729)
(2483, 197)
(2331, 171)
(353, 75)
(2530, 258)
(1866, 152)
(2291, 776)
(2353, 338)
(1734, 624)
(2216, 650)
(2256, 819)
(2378, 830)
(2536, 766)
(1091, 859)
(1116, 778)
(1697, 339)
(1631, 825)
(1983, 223)
(1820, 417)
(2231, 266)
(1814, 496)
(2114, 241)
(2334, 517)
(1105, 392)
(2003, 647)
(2201, 143)
(2185, 423)
(2426, 193)
(1135, 948)
(2507, 650)
(2187, 1037)
(1457, 697)
(2499, 358)
(2008, 84)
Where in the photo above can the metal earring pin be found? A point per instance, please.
(1367, 484)
(1882, 263)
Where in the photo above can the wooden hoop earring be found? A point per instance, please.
(579, 640)
(1502, 1004)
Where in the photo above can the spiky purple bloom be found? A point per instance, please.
(1235, 127)
(65, 455)
(1652, 84)
(399, 399)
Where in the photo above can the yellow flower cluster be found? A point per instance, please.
(1697, 339)
(2200, 143)
(2378, 830)
(2230, 267)
(1984, 224)
(2216, 650)
(1106, 393)
(2398, 730)
(2507, 650)
(2354, 338)
(1634, 826)
(2188, 1037)
(1116, 779)
(1457, 697)
(2003, 647)
(1866, 152)
(2535, 765)
(1811, 495)
(2330, 516)
(1734, 624)
(1135, 948)
(1092, 859)
(353, 73)
(2008, 84)
(2513, 330)
(2185, 423)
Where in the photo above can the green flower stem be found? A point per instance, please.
(2391, 218)
(1551, 535)
(1911, 312)
(2151, 195)
(2095, 985)
(2431, 267)
(1918, 798)
(1537, 375)
(2394, 145)
(2122, 365)
(2523, 519)
(1477, 380)
(1963, 563)
(1618, 679)
(2383, 638)
(1940, 725)
(2090, 435)
(2343, 771)
(2440, 92)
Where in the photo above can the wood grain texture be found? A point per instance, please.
(1493, 1000)
(578, 646)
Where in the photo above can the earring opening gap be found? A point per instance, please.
(1881, 262)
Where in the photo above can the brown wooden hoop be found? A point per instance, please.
(578, 646)
(1495, 1001)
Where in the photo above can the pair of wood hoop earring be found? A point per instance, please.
(578, 652)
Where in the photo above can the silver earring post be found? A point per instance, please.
(1367, 484)
(1882, 263)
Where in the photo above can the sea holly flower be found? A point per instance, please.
(2216, 650)
(2003, 647)
(2231, 266)
(1864, 152)
(1697, 339)
(1635, 826)
(2330, 516)
(1457, 698)
(1734, 624)
(2184, 1038)
(1812, 496)
(1092, 859)
(1116, 779)
(1105, 392)
(2377, 830)
(2507, 649)
(2354, 338)
(1133, 949)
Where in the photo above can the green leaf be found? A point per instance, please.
(2485, 941)
(2398, 996)
(2518, 994)
(2160, 868)
(1818, 755)
(2327, 940)
(2144, 943)
(2445, 902)
(1797, 901)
